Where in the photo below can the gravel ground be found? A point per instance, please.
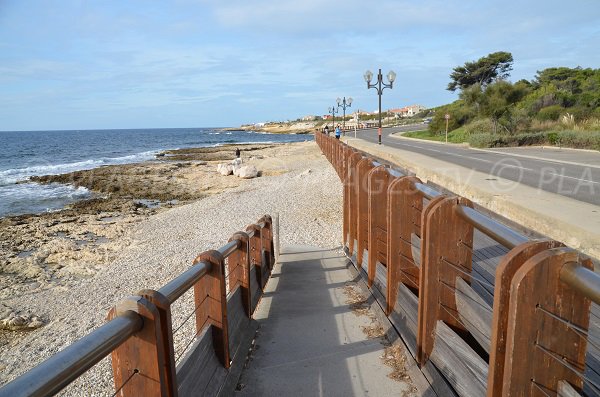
(308, 199)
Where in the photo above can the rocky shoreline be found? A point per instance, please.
(57, 250)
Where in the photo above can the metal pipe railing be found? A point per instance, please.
(52, 375)
(229, 248)
(427, 191)
(581, 279)
(182, 283)
(395, 173)
(499, 232)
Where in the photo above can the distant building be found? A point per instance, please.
(407, 111)
(309, 118)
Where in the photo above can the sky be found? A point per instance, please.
(95, 64)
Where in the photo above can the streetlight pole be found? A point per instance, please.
(333, 110)
(343, 103)
(380, 86)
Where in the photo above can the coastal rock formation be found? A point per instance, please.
(10, 320)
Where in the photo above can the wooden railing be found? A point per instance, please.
(227, 284)
(495, 312)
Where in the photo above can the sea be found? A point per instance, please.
(27, 153)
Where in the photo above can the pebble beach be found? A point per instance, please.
(147, 247)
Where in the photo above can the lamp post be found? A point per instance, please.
(344, 103)
(333, 110)
(380, 86)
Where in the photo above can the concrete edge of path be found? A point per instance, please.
(399, 135)
(573, 222)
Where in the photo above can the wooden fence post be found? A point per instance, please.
(444, 245)
(378, 182)
(505, 272)
(362, 192)
(348, 152)
(256, 254)
(164, 309)
(210, 297)
(266, 235)
(240, 261)
(405, 205)
(547, 324)
(139, 365)
(353, 201)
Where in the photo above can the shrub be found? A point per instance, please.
(553, 138)
(550, 113)
(479, 126)
(580, 139)
(537, 125)
(483, 140)
(532, 138)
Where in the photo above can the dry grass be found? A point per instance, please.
(394, 355)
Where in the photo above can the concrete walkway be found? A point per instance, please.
(311, 341)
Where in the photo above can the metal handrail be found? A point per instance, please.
(229, 248)
(182, 283)
(395, 173)
(583, 280)
(58, 371)
(427, 191)
(496, 230)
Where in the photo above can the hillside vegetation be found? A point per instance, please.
(559, 106)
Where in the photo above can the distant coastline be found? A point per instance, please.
(293, 128)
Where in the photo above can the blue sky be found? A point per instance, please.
(69, 64)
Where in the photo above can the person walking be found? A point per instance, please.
(326, 129)
(338, 132)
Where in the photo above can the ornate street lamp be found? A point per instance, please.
(333, 110)
(380, 86)
(344, 103)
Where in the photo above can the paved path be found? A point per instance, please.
(553, 174)
(310, 342)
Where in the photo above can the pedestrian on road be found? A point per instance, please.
(338, 132)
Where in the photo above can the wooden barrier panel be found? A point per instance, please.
(445, 259)
(362, 192)
(547, 323)
(210, 298)
(378, 183)
(405, 205)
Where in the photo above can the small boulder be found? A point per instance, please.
(225, 169)
(247, 172)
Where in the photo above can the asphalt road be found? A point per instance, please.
(578, 182)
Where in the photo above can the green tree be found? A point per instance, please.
(499, 101)
(485, 70)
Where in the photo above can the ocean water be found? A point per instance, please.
(27, 153)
